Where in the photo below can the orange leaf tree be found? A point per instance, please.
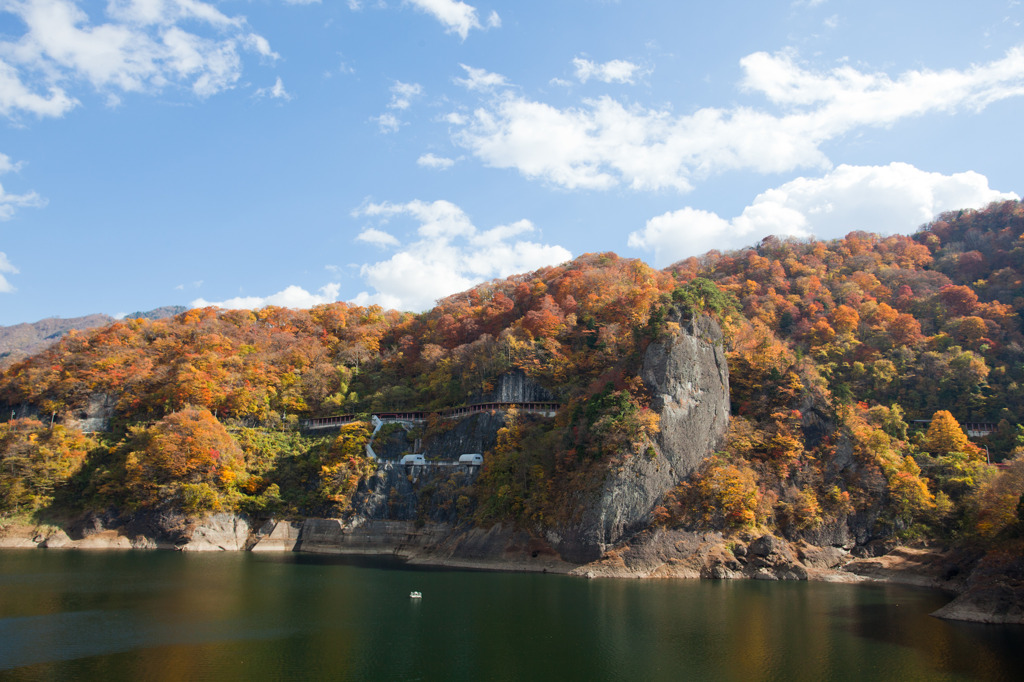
(187, 457)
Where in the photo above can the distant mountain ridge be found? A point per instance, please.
(21, 340)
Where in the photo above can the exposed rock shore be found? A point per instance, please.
(993, 592)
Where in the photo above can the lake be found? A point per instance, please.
(165, 615)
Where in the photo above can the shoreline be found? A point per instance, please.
(900, 566)
(661, 555)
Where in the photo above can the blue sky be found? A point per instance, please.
(254, 152)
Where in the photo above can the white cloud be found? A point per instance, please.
(313, 2)
(372, 235)
(480, 79)
(401, 99)
(456, 119)
(603, 143)
(449, 255)
(402, 94)
(845, 97)
(276, 91)
(290, 297)
(16, 96)
(142, 48)
(10, 202)
(896, 198)
(7, 166)
(439, 219)
(6, 268)
(388, 123)
(457, 17)
(439, 162)
(615, 71)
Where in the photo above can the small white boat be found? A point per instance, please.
(415, 595)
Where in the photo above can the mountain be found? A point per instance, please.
(849, 367)
(21, 340)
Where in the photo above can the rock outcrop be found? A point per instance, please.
(95, 416)
(688, 379)
(514, 387)
(218, 532)
(994, 591)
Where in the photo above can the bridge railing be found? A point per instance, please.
(547, 409)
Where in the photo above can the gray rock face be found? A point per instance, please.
(994, 592)
(218, 532)
(398, 493)
(277, 536)
(396, 538)
(689, 381)
(96, 415)
(477, 433)
(515, 387)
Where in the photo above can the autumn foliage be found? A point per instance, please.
(851, 362)
(188, 456)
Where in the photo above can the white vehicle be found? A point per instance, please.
(414, 460)
(471, 460)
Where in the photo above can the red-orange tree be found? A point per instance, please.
(187, 457)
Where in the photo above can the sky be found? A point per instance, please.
(246, 153)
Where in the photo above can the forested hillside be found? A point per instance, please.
(21, 340)
(835, 349)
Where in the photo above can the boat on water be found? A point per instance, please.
(415, 595)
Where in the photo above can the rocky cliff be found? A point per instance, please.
(688, 378)
(514, 387)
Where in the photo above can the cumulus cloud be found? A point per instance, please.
(143, 47)
(896, 198)
(480, 79)
(615, 71)
(290, 297)
(457, 17)
(6, 268)
(372, 235)
(276, 91)
(10, 202)
(439, 162)
(448, 255)
(603, 142)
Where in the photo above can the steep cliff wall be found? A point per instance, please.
(514, 387)
(689, 381)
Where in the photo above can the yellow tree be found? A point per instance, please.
(945, 436)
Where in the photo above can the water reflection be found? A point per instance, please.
(157, 615)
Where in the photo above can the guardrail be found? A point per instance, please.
(547, 409)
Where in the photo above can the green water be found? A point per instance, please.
(164, 615)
